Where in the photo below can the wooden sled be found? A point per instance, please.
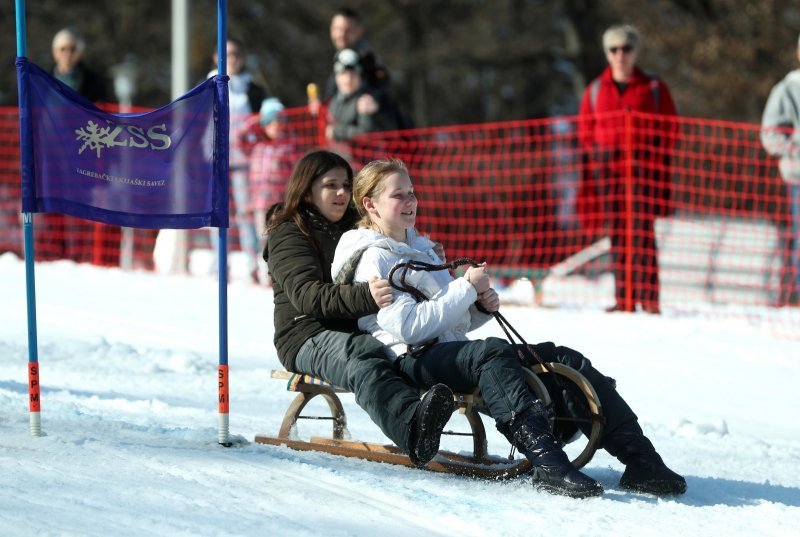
(477, 464)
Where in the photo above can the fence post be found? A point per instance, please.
(322, 125)
(628, 181)
(97, 244)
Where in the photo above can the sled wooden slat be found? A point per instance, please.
(493, 467)
(304, 380)
(444, 462)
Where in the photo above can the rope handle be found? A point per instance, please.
(413, 264)
(521, 348)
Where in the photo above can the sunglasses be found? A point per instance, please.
(626, 49)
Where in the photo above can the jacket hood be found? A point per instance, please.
(355, 242)
(793, 77)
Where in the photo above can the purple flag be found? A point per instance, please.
(162, 169)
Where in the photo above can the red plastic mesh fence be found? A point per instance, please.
(681, 214)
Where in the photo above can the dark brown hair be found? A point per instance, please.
(298, 190)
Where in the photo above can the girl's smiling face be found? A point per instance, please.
(330, 194)
(394, 209)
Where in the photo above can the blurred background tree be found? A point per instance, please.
(451, 62)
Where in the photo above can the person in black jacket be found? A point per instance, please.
(357, 107)
(315, 320)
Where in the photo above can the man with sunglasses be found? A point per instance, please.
(627, 177)
(69, 68)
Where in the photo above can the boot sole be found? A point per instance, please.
(439, 409)
(541, 482)
(571, 493)
(657, 488)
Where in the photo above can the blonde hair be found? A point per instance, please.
(369, 183)
(621, 34)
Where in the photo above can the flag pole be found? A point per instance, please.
(27, 228)
(222, 257)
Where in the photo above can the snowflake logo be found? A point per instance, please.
(97, 138)
(94, 137)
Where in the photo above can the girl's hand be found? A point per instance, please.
(478, 278)
(489, 301)
(381, 291)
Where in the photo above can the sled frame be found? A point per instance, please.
(479, 463)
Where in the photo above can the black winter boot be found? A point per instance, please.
(431, 416)
(552, 471)
(645, 471)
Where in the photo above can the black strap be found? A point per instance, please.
(419, 296)
(522, 349)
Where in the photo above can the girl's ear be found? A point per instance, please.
(369, 206)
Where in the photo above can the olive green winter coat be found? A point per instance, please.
(305, 297)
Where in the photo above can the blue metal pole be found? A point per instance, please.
(222, 255)
(27, 229)
(22, 45)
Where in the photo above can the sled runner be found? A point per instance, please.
(479, 463)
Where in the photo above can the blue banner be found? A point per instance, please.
(162, 169)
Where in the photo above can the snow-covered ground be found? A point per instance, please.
(128, 373)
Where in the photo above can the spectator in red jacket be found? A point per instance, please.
(627, 169)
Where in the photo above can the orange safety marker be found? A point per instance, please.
(35, 402)
(224, 418)
(33, 386)
(222, 380)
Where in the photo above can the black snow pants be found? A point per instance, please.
(491, 365)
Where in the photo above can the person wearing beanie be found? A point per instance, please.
(272, 152)
(270, 108)
(357, 108)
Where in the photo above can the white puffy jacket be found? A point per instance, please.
(448, 314)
